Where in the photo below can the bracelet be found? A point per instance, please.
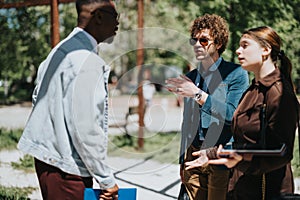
(198, 95)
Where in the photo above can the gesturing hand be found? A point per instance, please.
(199, 162)
(182, 85)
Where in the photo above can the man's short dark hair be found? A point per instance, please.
(79, 3)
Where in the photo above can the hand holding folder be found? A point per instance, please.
(124, 194)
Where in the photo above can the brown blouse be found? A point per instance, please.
(281, 118)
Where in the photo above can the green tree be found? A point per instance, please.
(25, 33)
(26, 44)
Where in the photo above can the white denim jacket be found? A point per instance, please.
(68, 124)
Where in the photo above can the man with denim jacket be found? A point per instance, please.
(66, 132)
(212, 92)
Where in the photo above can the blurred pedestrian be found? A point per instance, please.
(148, 87)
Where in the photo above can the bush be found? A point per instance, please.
(161, 147)
(26, 164)
(9, 138)
(14, 193)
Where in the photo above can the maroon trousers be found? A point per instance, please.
(58, 185)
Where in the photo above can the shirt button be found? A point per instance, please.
(52, 161)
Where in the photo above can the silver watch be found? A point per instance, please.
(198, 95)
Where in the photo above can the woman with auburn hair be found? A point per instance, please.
(271, 94)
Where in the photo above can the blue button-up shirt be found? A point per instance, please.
(207, 78)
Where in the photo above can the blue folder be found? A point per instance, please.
(124, 194)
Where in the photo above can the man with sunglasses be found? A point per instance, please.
(212, 92)
(66, 132)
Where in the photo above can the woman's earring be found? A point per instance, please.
(264, 58)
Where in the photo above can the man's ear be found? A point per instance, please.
(98, 17)
(218, 46)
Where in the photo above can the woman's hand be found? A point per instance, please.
(199, 162)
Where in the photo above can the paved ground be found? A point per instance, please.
(153, 180)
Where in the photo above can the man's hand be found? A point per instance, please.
(110, 193)
(182, 85)
(199, 162)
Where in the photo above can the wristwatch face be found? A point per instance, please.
(198, 96)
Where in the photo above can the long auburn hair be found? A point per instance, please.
(267, 37)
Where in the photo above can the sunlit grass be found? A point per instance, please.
(9, 138)
(26, 164)
(162, 147)
(15, 193)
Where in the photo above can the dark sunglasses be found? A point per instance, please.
(203, 41)
(114, 14)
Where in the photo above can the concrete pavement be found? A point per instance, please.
(152, 179)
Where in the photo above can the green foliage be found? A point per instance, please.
(25, 34)
(67, 20)
(8, 141)
(9, 138)
(15, 193)
(26, 164)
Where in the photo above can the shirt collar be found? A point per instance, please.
(268, 80)
(90, 37)
(212, 68)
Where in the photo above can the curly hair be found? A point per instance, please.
(218, 29)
